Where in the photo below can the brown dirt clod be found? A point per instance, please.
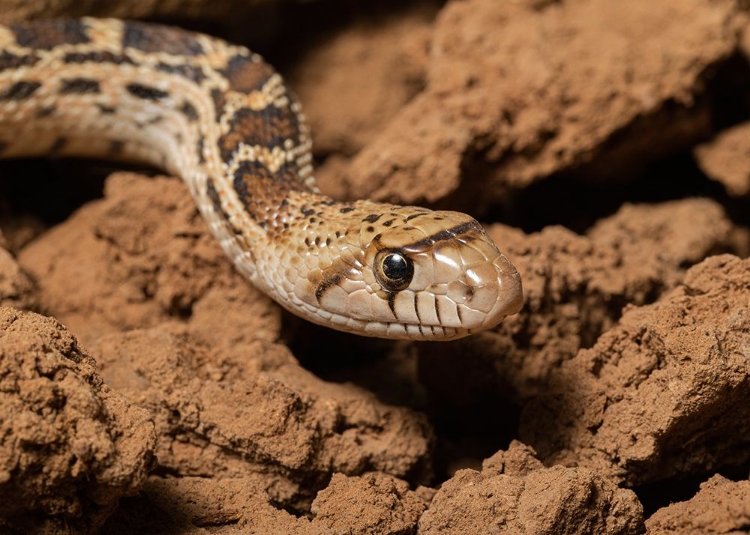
(604, 144)
(71, 446)
(646, 402)
(721, 506)
(533, 499)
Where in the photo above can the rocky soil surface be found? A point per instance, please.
(145, 387)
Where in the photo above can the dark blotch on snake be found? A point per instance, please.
(192, 73)
(49, 34)
(189, 111)
(372, 218)
(99, 56)
(346, 209)
(142, 36)
(257, 188)
(246, 75)
(20, 91)
(145, 92)
(269, 127)
(199, 149)
(80, 86)
(11, 61)
(213, 195)
(45, 112)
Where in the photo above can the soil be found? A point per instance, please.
(145, 387)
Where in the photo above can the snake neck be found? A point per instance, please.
(212, 113)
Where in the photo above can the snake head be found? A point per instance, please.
(422, 275)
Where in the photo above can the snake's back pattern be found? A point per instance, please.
(223, 120)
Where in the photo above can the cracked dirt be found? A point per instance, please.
(146, 387)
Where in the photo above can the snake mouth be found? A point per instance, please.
(445, 317)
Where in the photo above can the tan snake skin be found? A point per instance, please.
(220, 118)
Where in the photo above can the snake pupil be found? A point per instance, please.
(393, 270)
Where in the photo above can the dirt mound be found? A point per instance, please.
(602, 144)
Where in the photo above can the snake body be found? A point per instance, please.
(220, 118)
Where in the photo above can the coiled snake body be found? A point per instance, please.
(220, 118)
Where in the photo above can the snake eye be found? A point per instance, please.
(393, 270)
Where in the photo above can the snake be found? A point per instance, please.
(220, 118)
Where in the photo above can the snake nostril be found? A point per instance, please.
(484, 297)
(460, 292)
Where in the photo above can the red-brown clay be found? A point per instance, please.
(628, 366)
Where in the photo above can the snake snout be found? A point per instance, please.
(510, 290)
(486, 293)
